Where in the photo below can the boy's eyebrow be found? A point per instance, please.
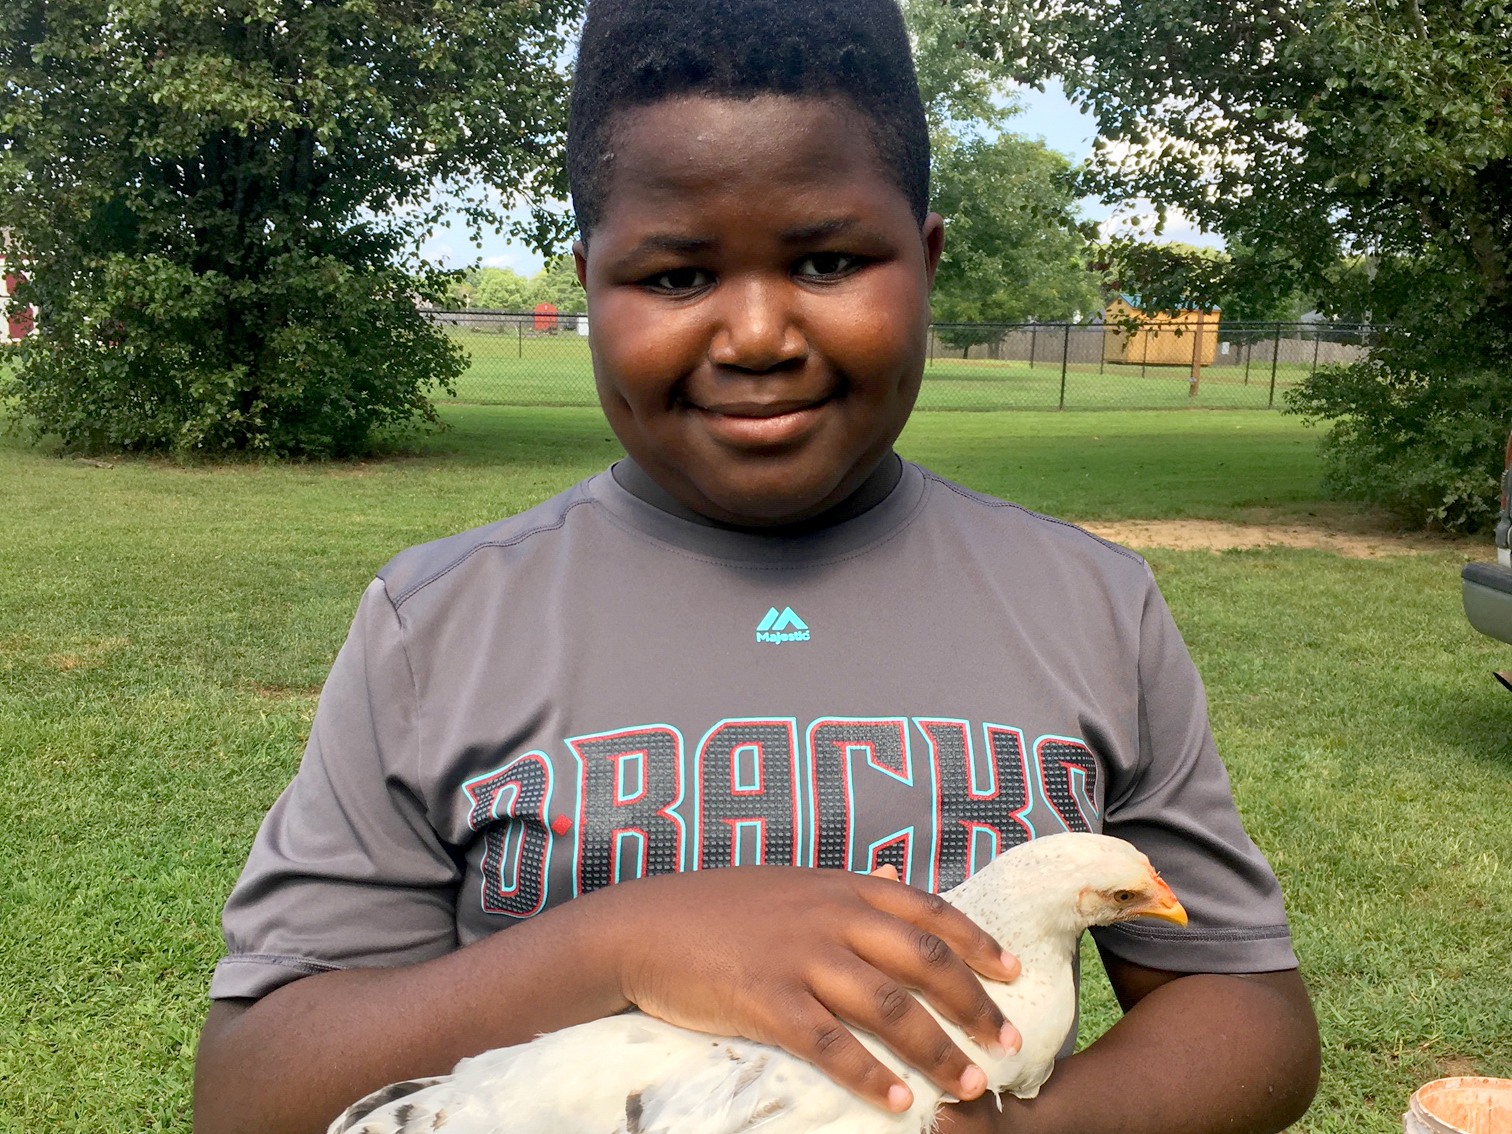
(819, 231)
(694, 245)
(666, 242)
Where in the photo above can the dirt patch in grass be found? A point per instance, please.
(1449, 1066)
(86, 655)
(285, 692)
(1355, 540)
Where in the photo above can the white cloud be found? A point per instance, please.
(1064, 126)
(1138, 218)
(521, 261)
(452, 245)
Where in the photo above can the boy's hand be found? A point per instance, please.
(783, 955)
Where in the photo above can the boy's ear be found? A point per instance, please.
(580, 262)
(932, 233)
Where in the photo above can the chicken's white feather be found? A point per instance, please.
(633, 1074)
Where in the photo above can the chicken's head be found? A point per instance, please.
(1063, 883)
(1129, 891)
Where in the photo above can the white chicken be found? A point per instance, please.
(634, 1074)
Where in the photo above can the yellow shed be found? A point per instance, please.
(1163, 339)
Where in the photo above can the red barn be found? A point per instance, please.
(18, 320)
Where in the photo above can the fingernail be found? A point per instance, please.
(1010, 1039)
(899, 1097)
(973, 1082)
(1011, 963)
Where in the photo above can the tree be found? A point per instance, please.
(1014, 248)
(1194, 276)
(557, 284)
(502, 289)
(497, 289)
(959, 88)
(1319, 136)
(218, 203)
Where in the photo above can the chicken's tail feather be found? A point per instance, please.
(738, 1091)
(384, 1112)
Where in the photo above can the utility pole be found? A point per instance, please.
(1196, 357)
(1275, 358)
(1065, 357)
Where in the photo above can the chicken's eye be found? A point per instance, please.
(1124, 896)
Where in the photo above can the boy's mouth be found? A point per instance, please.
(761, 409)
(761, 423)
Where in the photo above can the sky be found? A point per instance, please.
(1047, 114)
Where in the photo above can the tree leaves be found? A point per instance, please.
(1014, 246)
(1014, 249)
(1319, 133)
(249, 153)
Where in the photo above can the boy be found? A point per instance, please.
(761, 643)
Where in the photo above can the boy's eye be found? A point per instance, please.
(826, 265)
(679, 279)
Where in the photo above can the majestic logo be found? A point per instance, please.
(784, 627)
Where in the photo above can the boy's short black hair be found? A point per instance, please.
(637, 52)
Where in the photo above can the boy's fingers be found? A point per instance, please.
(922, 961)
(886, 870)
(935, 915)
(830, 1046)
(881, 1005)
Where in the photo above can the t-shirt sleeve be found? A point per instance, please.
(345, 871)
(1176, 805)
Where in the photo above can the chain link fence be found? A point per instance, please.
(542, 360)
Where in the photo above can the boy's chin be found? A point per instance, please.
(767, 503)
(758, 489)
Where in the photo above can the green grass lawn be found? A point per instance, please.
(554, 370)
(164, 631)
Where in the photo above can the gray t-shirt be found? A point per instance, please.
(597, 689)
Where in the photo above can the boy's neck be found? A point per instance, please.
(874, 489)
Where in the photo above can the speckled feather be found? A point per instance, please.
(633, 1074)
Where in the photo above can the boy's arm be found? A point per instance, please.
(294, 1059)
(778, 954)
(1198, 1053)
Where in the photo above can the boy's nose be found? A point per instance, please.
(757, 329)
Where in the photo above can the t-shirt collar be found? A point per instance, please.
(872, 491)
(883, 502)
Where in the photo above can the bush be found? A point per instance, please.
(313, 358)
(215, 204)
(1427, 447)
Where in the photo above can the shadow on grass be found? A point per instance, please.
(469, 435)
(483, 435)
(1479, 723)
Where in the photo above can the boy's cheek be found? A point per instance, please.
(889, 321)
(639, 346)
(875, 345)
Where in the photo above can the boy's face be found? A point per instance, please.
(758, 293)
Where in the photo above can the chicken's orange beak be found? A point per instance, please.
(1162, 904)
